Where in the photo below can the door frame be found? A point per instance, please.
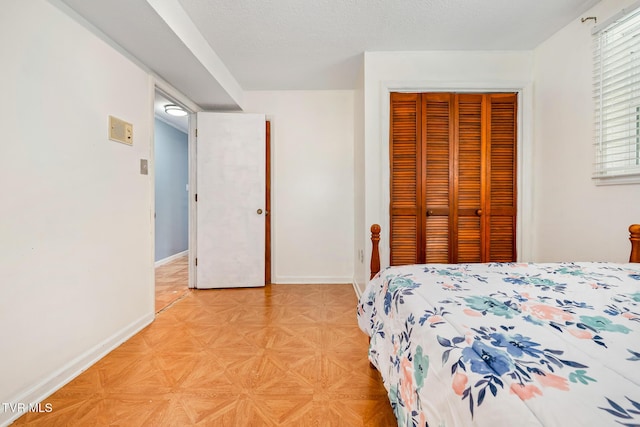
(172, 94)
(160, 85)
(267, 205)
(193, 214)
(192, 108)
(524, 89)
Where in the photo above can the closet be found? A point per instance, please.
(453, 177)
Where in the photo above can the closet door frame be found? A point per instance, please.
(378, 212)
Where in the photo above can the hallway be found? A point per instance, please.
(172, 282)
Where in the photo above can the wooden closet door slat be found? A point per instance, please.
(437, 126)
(406, 178)
(502, 185)
(470, 181)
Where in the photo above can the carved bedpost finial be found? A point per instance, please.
(375, 252)
(634, 237)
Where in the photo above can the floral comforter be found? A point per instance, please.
(507, 344)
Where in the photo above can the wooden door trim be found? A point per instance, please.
(267, 206)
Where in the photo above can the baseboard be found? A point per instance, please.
(356, 288)
(311, 280)
(62, 376)
(171, 258)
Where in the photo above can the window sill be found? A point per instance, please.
(617, 180)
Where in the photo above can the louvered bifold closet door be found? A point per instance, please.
(406, 241)
(453, 177)
(502, 187)
(438, 128)
(468, 192)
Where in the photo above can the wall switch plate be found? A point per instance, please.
(144, 167)
(120, 131)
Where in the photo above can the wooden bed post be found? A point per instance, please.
(634, 231)
(375, 252)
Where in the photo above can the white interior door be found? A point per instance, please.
(230, 180)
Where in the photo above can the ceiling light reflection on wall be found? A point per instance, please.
(174, 110)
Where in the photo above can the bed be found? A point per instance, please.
(507, 344)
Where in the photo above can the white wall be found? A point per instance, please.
(574, 219)
(361, 265)
(76, 259)
(435, 71)
(311, 183)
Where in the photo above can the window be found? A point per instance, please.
(617, 99)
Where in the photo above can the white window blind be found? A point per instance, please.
(617, 100)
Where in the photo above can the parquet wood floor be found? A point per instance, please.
(283, 355)
(172, 282)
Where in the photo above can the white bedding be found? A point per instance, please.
(507, 344)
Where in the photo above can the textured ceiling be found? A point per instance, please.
(309, 44)
(318, 44)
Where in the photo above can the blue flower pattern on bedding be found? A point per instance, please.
(456, 343)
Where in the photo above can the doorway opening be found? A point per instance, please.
(171, 210)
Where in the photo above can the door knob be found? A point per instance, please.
(479, 212)
(259, 211)
(429, 212)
